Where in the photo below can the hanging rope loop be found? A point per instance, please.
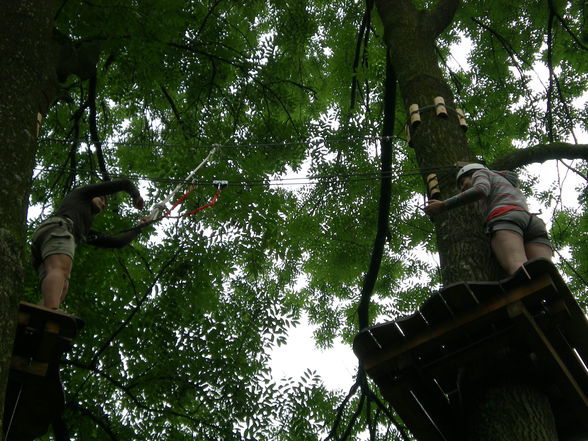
(160, 207)
(189, 213)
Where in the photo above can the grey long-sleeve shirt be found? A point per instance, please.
(491, 189)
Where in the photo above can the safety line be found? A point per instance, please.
(365, 176)
(237, 146)
(160, 206)
(13, 412)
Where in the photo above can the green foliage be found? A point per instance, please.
(180, 325)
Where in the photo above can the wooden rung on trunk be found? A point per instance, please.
(433, 186)
(407, 132)
(440, 108)
(461, 118)
(415, 116)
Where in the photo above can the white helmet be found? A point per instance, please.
(468, 168)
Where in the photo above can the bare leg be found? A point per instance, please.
(56, 283)
(509, 250)
(535, 250)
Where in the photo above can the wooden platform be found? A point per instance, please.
(528, 325)
(34, 396)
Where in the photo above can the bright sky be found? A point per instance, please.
(336, 366)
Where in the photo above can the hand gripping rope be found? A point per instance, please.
(156, 211)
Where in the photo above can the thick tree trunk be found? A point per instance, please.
(439, 142)
(508, 411)
(25, 32)
(512, 412)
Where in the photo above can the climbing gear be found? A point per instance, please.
(468, 168)
(219, 186)
(158, 208)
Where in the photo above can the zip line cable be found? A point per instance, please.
(235, 146)
(307, 180)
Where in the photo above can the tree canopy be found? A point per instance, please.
(307, 102)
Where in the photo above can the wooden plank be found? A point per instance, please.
(39, 317)
(364, 344)
(551, 359)
(426, 425)
(412, 324)
(28, 366)
(486, 291)
(390, 351)
(477, 359)
(371, 341)
(550, 326)
(435, 310)
(530, 321)
(459, 298)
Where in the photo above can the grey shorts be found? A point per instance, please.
(53, 236)
(529, 226)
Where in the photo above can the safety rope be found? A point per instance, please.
(219, 186)
(158, 208)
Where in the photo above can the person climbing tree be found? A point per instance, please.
(516, 235)
(54, 241)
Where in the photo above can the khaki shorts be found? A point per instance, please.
(527, 225)
(54, 236)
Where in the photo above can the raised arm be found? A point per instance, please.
(111, 187)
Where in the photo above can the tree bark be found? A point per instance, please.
(512, 412)
(439, 142)
(25, 33)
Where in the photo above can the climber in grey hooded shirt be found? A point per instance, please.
(516, 235)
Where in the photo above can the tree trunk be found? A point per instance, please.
(25, 32)
(508, 411)
(512, 412)
(439, 142)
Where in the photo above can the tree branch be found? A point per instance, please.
(442, 16)
(362, 35)
(540, 153)
(142, 405)
(567, 27)
(100, 422)
(549, 112)
(94, 129)
(125, 323)
(385, 197)
(341, 408)
(175, 110)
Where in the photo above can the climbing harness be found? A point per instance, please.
(159, 211)
(219, 186)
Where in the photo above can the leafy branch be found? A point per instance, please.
(135, 310)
